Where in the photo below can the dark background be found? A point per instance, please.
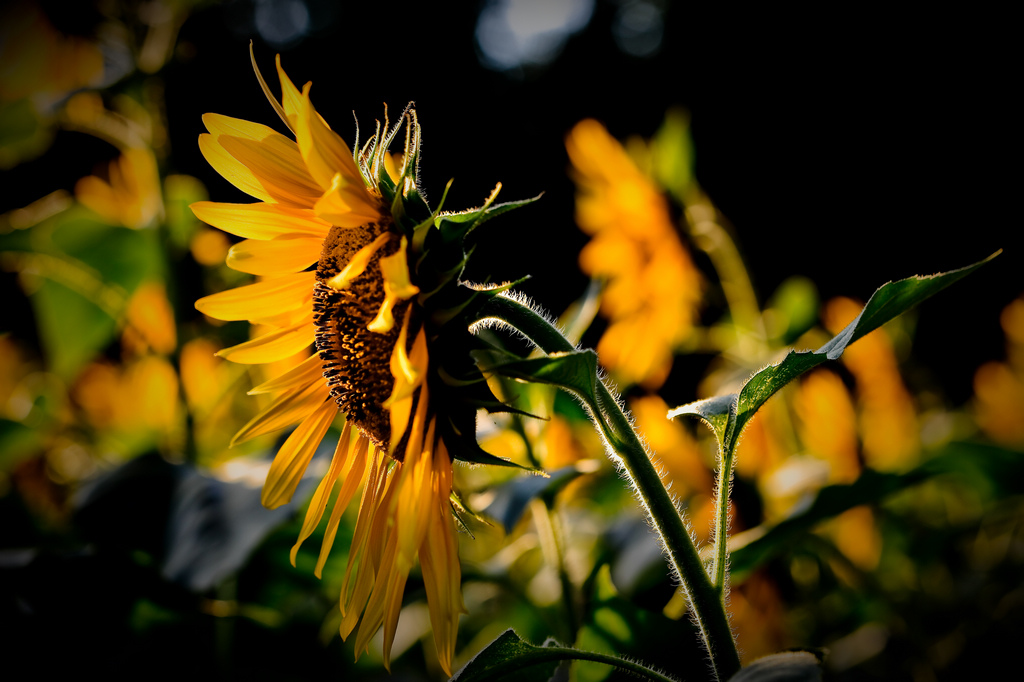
(852, 148)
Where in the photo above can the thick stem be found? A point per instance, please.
(721, 560)
(704, 599)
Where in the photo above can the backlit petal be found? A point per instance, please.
(263, 299)
(286, 410)
(272, 347)
(287, 253)
(260, 221)
(294, 456)
(325, 153)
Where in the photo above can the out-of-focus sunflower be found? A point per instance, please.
(653, 288)
(389, 319)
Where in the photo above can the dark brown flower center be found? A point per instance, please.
(356, 361)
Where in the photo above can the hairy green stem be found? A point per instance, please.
(704, 599)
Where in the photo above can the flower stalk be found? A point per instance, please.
(705, 599)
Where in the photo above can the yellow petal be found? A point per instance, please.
(293, 457)
(266, 90)
(318, 503)
(346, 204)
(351, 476)
(260, 221)
(357, 265)
(323, 150)
(303, 374)
(276, 164)
(291, 98)
(287, 253)
(272, 347)
(439, 561)
(286, 410)
(263, 299)
(230, 169)
(397, 287)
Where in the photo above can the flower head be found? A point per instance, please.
(352, 261)
(653, 289)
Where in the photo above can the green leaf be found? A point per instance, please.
(887, 302)
(672, 149)
(510, 658)
(788, 666)
(715, 412)
(574, 371)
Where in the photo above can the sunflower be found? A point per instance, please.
(352, 261)
(653, 290)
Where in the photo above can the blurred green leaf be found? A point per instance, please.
(513, 497)
(72, 328)
(672, 149)
(17, 442)
(792, 309)
(986, 465)
(23, 135)
(181, 191)
(84, 272)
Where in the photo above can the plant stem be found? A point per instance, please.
(704, 599)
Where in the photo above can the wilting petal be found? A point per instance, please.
(263, 299)
(272, 347)
(293, 457)
(318, 503)
(289, 408)
(351, 476)
(285, 254)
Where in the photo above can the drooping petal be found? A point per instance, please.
(318, 503)
(285, 254)
(351, 476)
(263, 299)
(286, 410)
(294, 456)
(397, 287)
(260, 221)
(274, 346)
(357, 265)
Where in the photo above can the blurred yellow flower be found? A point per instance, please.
(653, 289)
(131, 194)
(38, 61)
(149, 321)
(999, 386)
(888, 418)
(140, 396)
